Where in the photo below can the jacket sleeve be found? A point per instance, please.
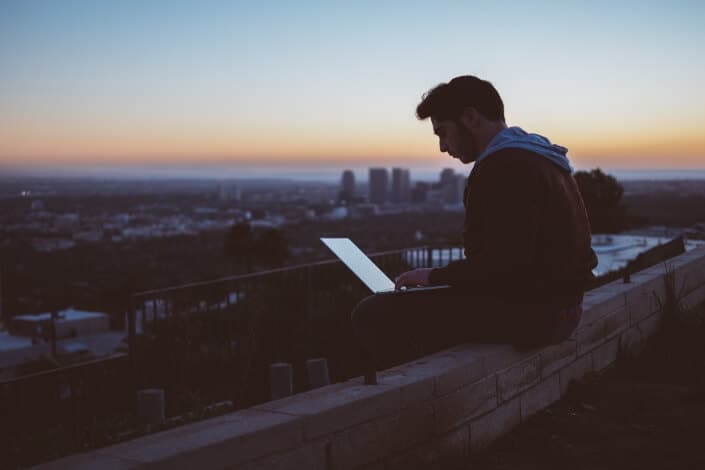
(505, 209)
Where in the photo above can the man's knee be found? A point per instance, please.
(368, 313)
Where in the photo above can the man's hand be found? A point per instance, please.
(417, 277)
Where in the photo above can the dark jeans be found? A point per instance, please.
(394, 328)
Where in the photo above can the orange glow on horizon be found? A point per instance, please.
(86, 144)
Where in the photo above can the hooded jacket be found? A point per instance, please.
(526, 232)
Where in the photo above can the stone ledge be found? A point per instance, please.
(424, 411)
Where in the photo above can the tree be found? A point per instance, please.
(272, 248)
(602, 194)
(239, 244)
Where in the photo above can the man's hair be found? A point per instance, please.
(448, 100)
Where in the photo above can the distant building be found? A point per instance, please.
(347, 186)
(379, 180)
(91, 236)
(68, 323)
(229, 193)
(452, 187)
(47, 245)
(447, 176)
(419, 192)
(37, 205)
(401, 185)
(460, 182)
(67, 222)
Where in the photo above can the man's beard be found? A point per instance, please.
(469, 151)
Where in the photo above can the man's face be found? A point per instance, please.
(455, 139)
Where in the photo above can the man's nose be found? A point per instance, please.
(442, 146)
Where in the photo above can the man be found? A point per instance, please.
(526, 237)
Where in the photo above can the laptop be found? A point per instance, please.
(363, 267)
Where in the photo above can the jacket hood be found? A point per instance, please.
(516, 137)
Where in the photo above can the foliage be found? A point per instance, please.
(239, 244)
(271, 248)
(602, 195)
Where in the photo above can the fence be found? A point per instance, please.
(46, 413)
(211, 341)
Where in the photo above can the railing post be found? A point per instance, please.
(281, 380)
(317, 371)
(371, 376)
(131, 329)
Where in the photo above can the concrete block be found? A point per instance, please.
(448, 451)
(462, 405)
(589, 335)
(642, 305)
(373, 440)
(689, 270)
(650, 325)
(594, 334)
(630, 341)
(90, 461)
(335, 407)
(310, 456)
(695, 298)
(616, 322)
(518, 377)
(498, 356)
(233, 438)
(604, 300)
(557, 356)
(659, 269)
(485, 429)
(415, 385)
(574, 371)
(647, 296)
(470, 367)
(606, 354)
(539, 397)
(418, 380)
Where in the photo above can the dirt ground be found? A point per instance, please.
(646, 412)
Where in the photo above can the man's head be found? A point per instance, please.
(466, 114)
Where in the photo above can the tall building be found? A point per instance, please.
(401, 185)
(347, 186)
(419, 193)
(452, 187)
(447, 176)
(379, 180)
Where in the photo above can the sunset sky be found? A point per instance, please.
(283, 84)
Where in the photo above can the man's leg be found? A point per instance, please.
(394, 328)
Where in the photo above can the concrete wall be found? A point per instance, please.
(431, 411)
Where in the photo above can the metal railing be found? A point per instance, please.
(48, 413)
(201, 342)
(216, 338)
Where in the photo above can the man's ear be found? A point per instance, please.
(470, 117)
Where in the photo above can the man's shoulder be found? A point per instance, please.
(511, 157)
(510, 163)
(517, 163)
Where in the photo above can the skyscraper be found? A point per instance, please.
(451, 187)
(401, 185)
(379, 180)
(447, 176)
(347, 186)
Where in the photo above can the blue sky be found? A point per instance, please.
(91, 83)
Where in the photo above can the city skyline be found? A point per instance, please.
(311, 86)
